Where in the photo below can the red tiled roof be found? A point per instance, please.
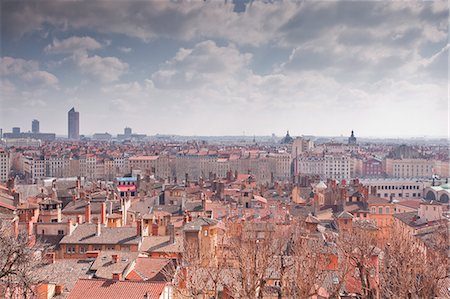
(147, 268)
(110, 289)
(131, 188)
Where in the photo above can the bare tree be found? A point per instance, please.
(358, 249)
(304, 264)
(192, 277)
(413, 267)
(19, 258)
(256, 253)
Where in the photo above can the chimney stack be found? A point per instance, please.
(16, 228)
(171, 230)
(79, 219)
(30, 227)
(99, 228)
(87, 213)
(117, 276)
(103, 213)
(69, 227)
(115, 258)
(139, 227)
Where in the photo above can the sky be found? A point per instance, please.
(227, 67)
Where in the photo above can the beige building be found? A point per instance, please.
(409, 168)
(157, 165)
(396, 188)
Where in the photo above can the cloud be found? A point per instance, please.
(204, 64)
(72, 44)
(106, 69)
(16, 66)
(27, 70)
(125, 50)
(40, 78)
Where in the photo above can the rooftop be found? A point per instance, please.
(107, 289)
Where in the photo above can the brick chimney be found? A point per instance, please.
(87, 213)
(79, 219)
(139, 227)
(171, 229)
(16, 228)
(115, 258)
(69, 227)
(30, 227)
(117, 276)
(51, 257)
(99, 229)
(103, 213)
(59, 289)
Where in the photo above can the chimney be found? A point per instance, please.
(139, 227)
(203, 203)
(115, 258)
(79, 219)
(366, 193)
(99, 229)
(51, 257)
(117, 276)
(103, 213)
(171, 230)
(16, 228)
(30, 227)
(69, 227)
(87, 213)
(59, 289)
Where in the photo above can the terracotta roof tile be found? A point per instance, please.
(110, 289)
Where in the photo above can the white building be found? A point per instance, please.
(5, 165)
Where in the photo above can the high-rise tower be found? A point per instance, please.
(35, 126)
(74, 124)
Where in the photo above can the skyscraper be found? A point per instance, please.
(74, 124)
(35, 126)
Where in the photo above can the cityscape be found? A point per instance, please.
(224, 149)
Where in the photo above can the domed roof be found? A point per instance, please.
(287, 139)
(445, 186)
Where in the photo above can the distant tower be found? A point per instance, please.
(16, 130)
(35, 126)
(127, 132)
(74, 124)
(352, 139)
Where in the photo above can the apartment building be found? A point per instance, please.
(5, 165)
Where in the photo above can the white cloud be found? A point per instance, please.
(205, 64)
(16, 66)
(106, 69)
(41, 77)
(27, 70)
(72, 44)
(125, 49)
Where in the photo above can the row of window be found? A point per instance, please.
(71, 249)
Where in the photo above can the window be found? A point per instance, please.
(110, 247)
(70, 249)
(54, 220)
(97, 247)
(206, 233)
(83, 249)
(387, 210)
(60, 232)
(380, 210)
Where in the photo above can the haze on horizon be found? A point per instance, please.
(225, 67)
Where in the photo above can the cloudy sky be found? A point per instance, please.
(224, 68)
